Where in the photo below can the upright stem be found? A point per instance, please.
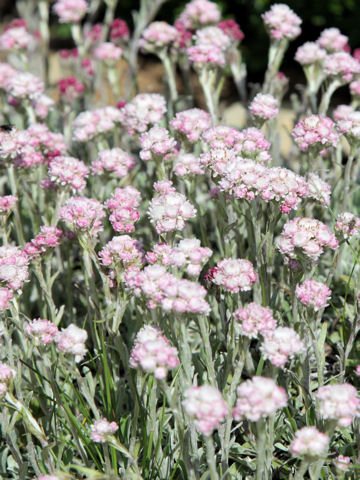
(325, 101)
(211, 458)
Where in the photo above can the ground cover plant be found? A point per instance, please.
(179, 298)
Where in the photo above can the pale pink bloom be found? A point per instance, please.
(252, 144)
(357, 370)
(187, 164)
(355, 88)
(204, 55)
(6, 295)
(163, 254)
(218, 159)
(153, 353)
(318, 189)
(101, 429)
(48, 237)
(234, 275)
(170, 210)
(82, 214)
(24, 86)
(307, 236)
(309, 442)
(88, 67)
(108, 53)
(313, 294)
(16, 39)
(282, 22)
(42, 106)
(6, 373)
(156, 144)
(206, 407)
(190, 124)
(95, 34)
(342, 463)
(40, 137)
(48, 477)
(7, 203)
(347, 224)
(68, 172)
(119, 31)
(315, 132)
(332, 40)
(222, 136)
(310, 53)
(87, 125)
(144, 111)
(70, 89)
(199, 13)
(350, 127)
(6, 72)
(114, 160)
(264, 106)
(42, 330)
(232, 30)
(157, 36)
(13, 267)
(123, 207)
(341, 65)
(192, 255)
(280, 345)
(339, 402)
(254, 320)
(342, 111)
(121, 252)
(213, 37)
(72, 340)
(258, 397)
(70, 11)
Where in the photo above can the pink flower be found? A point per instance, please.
(72, 340)
(213, 37)
(204, 55)
(318, 189)
(108, 53)
(232, 30)
(190, 124)
(309, 442)
(101, 429)
(350, 127)
(6, 373)
(313, 294)
(40, 137)
(68, 172)
(281, 344)
(355, 88)
(254, 320)
(199, 13)
(41, 330)
(189, 253)
(121, 252)
(48, 237)
(309, 54)
(90, 124)
(206, 407)
(357, 370)
(70, 89)
(13, 267)
(24, 86)
(123, 206)
(258, 398)
(7, 203)
(157, 145)
(113, 160)
(234, 275)
(315, 133)
(264, 106)
(157, 36)
(17, 38)
(170, 210)
(48, 477)
(332, 40)
(70, 11)
(82, 214)
(342, 111)
(347, 224)
(282, 22)
(342, 463)
(119, 30)
(144, 111)
(222, 136)
(339, 402)
(187, 165)
(6, 72)
(307, 236)
(153, 353)
(341, 65)
(6, 295)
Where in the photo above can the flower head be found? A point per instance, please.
(339, 402)
(313, 294)
(72, 340)
(101, 429)
(254, 320)
(309, 442)
(234, 275)
(282, 22)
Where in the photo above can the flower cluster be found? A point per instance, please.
(316, 133)
(347, 224)
(342, 66)
(332, 40)
(350, 127)
(144, 111)
(70, 89)
(282, 22)
(123, 207)
(48, 237)
(313, 294)
(318, 189)
(13, 267)
(254, 320)
(68, 172)
(306, 235)
(119, 31)
(82, 214)
(309, 442)
(281, 344)
(234, 275)
(199, 13)
(258, 398)
(90, 124)
(210, 46)
(339, 402)
(24, 86)
(7, 203)
(16, 37)
(41, 330)
(206, 407)
(6, 375)
(190, 124)
(114, 160)
(121, 252)
(264, 106)
(309, 54)
(6, 295)
(187, 164)
(153, 353)
(169, 210)
(70, 11)
(157, 145)
(108, 52)
(157, 36)
(72, 340)
(101, 429)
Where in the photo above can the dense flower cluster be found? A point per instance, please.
(318, 189)
(339, 402)
(264, 106)
(49, 237)
(254, 320)
(206, 407)
(70, 89)
(101, 429)
(72, 340)
(82, 214)
(123, 207)
(282, 22)
(315, 132)
(187, 164)
(121, 252)
(70, 11)
(258, 398)
(68, 172)
(41, 330)
(234, 275)
(341, 65)
(313, 294)
(7, 203)
(309, 442)
(157, 144)
(13, 267)
(153, 353)
(306, 235)
(24, 86)
(144, 111)
(310, 53)
(90, 124)
(347, 224)
(114, 160)
(108, 53)
(350, 127)
(190, 124)
(157, 36)
(16, 37)
(199, 13)
(281, 344)
(7, 374)
(332, 40)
